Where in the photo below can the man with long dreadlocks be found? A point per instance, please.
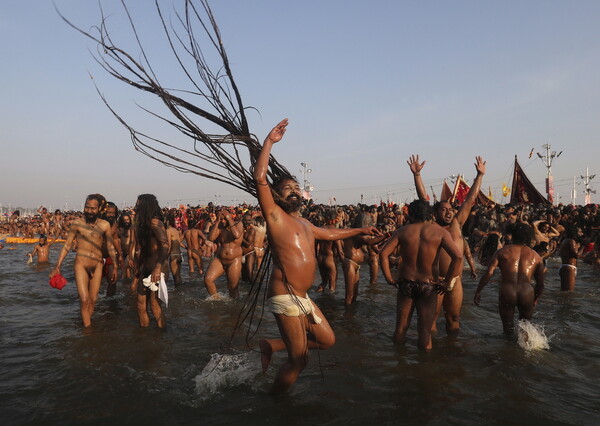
(153, 246)
(292, 241)
(90, 232)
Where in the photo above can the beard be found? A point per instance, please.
(111, 220)
(126, 225)
(89, 218)
(291, 204)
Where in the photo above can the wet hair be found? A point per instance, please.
(259, 221)
(572, 231)
(438, 205)
(521, 233)
(489, 248)
(113, 205)
(362, 220)
(279, 181)
(17, 212)
(121, 221)
(43, 236)
(275, 190)
(99, 198)
(147, 208)
(419, 211)
(170, 219)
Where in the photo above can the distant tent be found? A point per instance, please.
(523, 191)
(446, 194)
(461, 190)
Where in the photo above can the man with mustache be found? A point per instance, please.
(125, 232)
(301, 323)
(228, 234)
(110, 213)
(90, 233)
(447, 218)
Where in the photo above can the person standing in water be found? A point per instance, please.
(301, 323)
(42, 250)
(519, 264)
(90, 233)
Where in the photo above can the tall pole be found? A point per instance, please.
(588, 190)
(573, 192)
(306, 186)
(547, 159)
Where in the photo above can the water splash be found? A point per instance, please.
(227, 371)
(531, 337)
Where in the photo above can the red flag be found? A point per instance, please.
(523, 191)
(446, 192)
(461, 189)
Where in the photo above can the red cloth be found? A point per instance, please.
(58, 281)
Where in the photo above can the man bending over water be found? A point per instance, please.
(90, 233)
(518, 265)
(301, 323)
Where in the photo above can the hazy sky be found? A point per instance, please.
(364, 84)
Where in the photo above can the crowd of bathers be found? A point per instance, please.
(486, 230)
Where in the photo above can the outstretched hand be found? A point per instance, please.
(278, 131)
(477, 298)
(371, 230)
(480, 165)
(413, 163)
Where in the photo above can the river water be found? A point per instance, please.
(55, 372)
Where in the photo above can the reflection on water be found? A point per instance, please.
(54, 371)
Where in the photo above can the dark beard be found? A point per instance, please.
(89, 218)
(290, 205)
(126, 225)
(111, 220)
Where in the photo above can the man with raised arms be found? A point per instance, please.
(518, 265)
(90, 233)
(420, 244)
(453, 223)
(228, 234)
(301, 323)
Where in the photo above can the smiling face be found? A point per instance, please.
(290, 195)
(91, 211)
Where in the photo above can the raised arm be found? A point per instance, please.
(261, 168)
(415, 168)
(215, 231)
(237, 229)
(467, 205)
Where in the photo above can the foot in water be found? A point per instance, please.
(266, 351)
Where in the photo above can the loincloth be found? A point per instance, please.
(566, 265)
(352, 262)
(293, 306)
(416, 289)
